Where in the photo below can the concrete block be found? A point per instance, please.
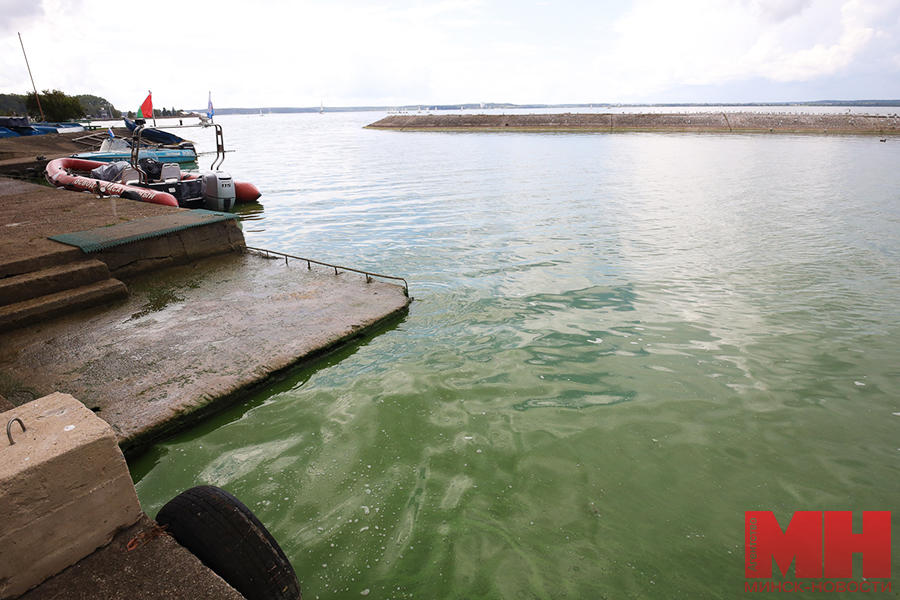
(65, 490)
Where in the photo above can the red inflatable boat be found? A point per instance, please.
(214, 190)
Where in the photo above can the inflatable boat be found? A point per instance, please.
(166, 185)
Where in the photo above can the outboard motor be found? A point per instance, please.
(218, 191)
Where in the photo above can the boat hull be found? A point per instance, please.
(244, 191)
(57, 174)
(155, 135)
(163, 156)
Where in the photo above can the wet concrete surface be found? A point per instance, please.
(140, 562)
(193, 340)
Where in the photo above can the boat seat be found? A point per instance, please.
(129, 175)
(170, 173)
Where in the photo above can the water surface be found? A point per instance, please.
(619, 344)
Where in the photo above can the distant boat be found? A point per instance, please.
(321, 108)
(204, 119)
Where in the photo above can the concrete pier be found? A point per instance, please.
(203, 323)
(622, 122)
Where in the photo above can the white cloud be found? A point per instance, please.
(716, 42)
(352, 52)
(16, 13)
(776, 11)
(815, 61)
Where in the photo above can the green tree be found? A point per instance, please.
(93, 105)
(12, 105)
(56, 106)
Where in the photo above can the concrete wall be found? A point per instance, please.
(718, 121)
(65, 490)
(173, 249)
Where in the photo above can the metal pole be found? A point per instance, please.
(36, 97)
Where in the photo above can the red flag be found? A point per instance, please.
(146, 109)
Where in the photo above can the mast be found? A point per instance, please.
(36, 97)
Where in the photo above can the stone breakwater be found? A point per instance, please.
(718, 122)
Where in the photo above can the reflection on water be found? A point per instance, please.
(252, 217)
(619, 344)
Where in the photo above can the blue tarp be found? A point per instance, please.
(10, 122)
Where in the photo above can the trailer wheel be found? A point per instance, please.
(219, 530)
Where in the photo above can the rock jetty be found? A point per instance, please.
(715, 122)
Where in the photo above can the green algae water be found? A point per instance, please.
(618, 345)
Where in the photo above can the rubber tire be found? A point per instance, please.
(219, 530)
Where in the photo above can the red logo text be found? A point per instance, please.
(823, 544)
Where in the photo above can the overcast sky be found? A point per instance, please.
(298, 53)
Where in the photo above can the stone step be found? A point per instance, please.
(25, 262)
(51, 280)
(35, 310)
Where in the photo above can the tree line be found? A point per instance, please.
(58, 107)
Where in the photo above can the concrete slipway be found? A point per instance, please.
(193, 339)
(189, 339)
(196, 323)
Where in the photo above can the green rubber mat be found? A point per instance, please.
(101, 238)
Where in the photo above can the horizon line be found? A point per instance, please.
(496, 105)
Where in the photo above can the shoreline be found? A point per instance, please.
(718, 122)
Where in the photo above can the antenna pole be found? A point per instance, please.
(36, 97)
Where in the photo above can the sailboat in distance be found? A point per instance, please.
(321, 108)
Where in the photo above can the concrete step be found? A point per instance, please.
(25, 262)
(36, 310)
(51, 280)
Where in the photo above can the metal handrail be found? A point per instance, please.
(136, 151)
(220, 148)
(310, 261)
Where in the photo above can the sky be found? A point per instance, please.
(304, 53)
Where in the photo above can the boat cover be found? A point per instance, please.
(10, 122)
(155, 135)
(109, 171)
